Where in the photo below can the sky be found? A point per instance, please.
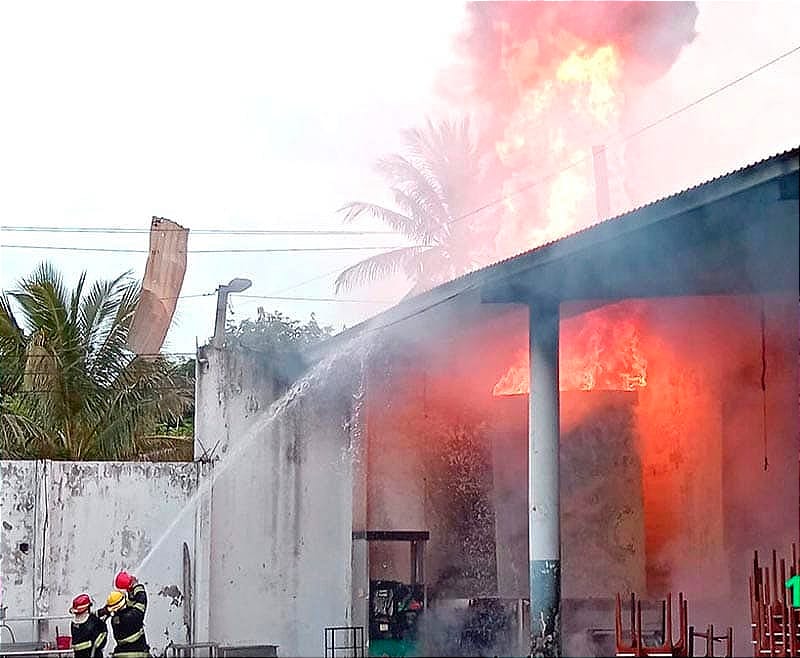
(270, 116)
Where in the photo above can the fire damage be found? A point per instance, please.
(672, 395)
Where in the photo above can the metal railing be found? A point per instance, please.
(19, 652)
(344, 642)
(215, 650)
(195, 650)
(40, 628)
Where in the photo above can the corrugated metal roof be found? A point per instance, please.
(723, 185)
(788, 152)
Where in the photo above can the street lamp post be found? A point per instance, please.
(235, 285)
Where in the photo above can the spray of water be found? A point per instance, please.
(314, 377)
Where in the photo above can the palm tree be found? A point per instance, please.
(69, 387)
(434, 186)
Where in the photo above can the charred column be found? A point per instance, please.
(544, 530)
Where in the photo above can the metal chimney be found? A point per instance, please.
(601, 182)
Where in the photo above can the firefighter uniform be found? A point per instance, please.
(128, 628)
(127, 625)
(89, 638)
(137, 598)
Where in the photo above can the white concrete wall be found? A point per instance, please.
(281, 511)
(83, 521)
(18, 498)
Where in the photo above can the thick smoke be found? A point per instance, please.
(649, 35)
(510, 48)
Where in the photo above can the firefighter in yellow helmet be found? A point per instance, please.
(127, 624)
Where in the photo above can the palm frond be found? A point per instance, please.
(98, 309)
(438, 179)
(9, 327)
(147, 391)
(418, 183)
(45, 296)
(394, 220)
(21, 436)
(378, 266)
(448, 153)
(12, 348)
(165, 448)
(75, 303)
(426, 231)
(79, 392)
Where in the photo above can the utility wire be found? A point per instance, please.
(151, 354)
(319, 299)
(125, 388)
(201, 251)
(294, 286)
(200, 231)
(311, 280)
(297, 299)
(194, 296)
(290, 299)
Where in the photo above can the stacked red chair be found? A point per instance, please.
(634, 643)
(775, 622)
(711, 641)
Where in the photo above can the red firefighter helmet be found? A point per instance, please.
(80, 604)
(123, 581)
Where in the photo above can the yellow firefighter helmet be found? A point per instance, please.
(115, 601)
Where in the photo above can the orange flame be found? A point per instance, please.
(598, 352)
(595, 74)
(564, 107)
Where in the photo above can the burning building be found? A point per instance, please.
(612, 412)
(481, 468)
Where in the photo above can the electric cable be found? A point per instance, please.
(203, 251)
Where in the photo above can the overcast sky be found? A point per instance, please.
(260, 115)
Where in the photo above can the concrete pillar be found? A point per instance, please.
(201, 573)
(543, 514)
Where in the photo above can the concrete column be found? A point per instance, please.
(201, 601)
(544, 532)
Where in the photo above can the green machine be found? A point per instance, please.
(395, 607)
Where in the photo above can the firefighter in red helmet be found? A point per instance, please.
(89, 632)
(137, 597)
(126, 606)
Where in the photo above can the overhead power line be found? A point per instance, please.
(202, 251)
(288, 299)
(200, 231)
(319, 277)
(110, 388)
(131, 354)
(319, 299)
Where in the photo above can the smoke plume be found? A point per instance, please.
(547, 81)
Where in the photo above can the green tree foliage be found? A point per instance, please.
(281, 337)
(276, 332)
(69, 386)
